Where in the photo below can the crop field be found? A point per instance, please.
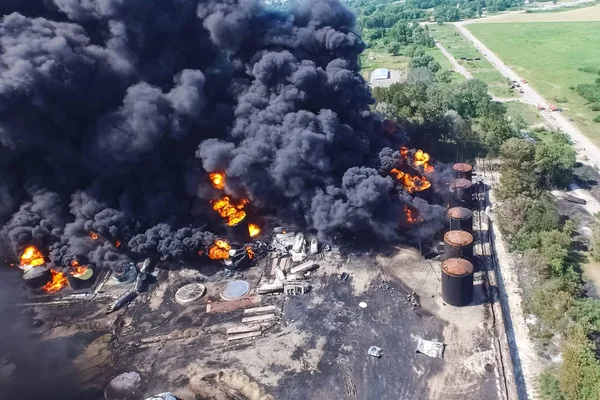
(554, 58)
(481, 69)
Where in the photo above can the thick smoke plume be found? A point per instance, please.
(112, 114)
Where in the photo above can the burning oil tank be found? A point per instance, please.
(461, 190)
(463, 170)
(457, 281)
(458, 244)
(460, 218)
(238, 257)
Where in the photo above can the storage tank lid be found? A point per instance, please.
(460, 183)
(458, 238)
(457, 267)
(462, 167)
(459, 213)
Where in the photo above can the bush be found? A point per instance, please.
(597, 118)
(550, 386)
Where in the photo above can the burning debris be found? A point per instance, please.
(232, 213)
(59, 280)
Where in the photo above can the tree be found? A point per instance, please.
(446, 14)
(426, 60)
(394, 48)
(579, 376)
(479, 8)
(515, 179)
(555, 160)
(595, 239)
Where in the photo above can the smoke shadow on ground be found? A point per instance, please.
(32, 368)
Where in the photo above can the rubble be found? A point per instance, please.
(295, 289)
(314, 246)
(298, 248)
(123, 300)
(163, 396)
(123, 387)
(304, 267)
(375, 351)
(258, 318)
(430, 348)
(275, 286)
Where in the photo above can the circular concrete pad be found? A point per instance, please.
(234, 290)
(188, 293)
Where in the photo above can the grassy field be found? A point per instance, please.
(459, 47)
(549, 57)
(526, 111)
(385, 60)
(587, 12)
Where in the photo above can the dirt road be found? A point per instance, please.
(557, 120)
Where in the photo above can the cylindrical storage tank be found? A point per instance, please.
(463, 170)
(461, 190)
(460, 218)
(458, 244)
(457, 281)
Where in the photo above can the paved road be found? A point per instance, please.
(557, 120)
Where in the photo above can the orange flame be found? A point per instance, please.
(253, 230)
(220, 250)
(59, 280)
(422, 160)
(218, 180)
(409, 215)
(118, 244)
(31, 257)
(94, 235)
(411, 183)
(250, 252)
(233, 213)
(77, 270)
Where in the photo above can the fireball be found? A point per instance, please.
(253, 230)
(94, 235)
(218, 180)
(220, 250)
(31, 257)
(233, 213)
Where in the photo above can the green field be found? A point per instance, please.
(550, 55)
(385, 60)
(459, 47)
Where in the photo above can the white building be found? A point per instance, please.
(380, 73)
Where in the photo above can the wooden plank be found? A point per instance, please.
(243, 329)
(258, 318)
(239, 336)
(258, 310)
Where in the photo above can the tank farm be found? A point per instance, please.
(458, 262)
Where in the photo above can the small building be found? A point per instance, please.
(380, 73)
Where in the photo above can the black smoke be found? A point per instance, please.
(113, 112)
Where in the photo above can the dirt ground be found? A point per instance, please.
(315, 348)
